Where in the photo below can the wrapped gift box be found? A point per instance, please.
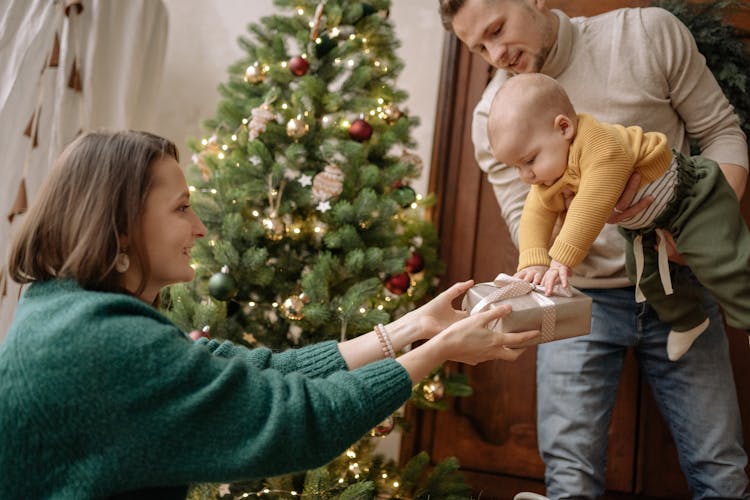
(565, 314)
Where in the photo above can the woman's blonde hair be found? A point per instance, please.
(94, 194)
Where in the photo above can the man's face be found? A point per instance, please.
(514, 35)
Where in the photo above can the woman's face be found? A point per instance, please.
(169, 228)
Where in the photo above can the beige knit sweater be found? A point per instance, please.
(633, 67)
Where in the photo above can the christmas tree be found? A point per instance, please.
(313, 230)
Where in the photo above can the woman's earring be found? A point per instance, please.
(122, 263)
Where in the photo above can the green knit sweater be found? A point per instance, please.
(100, 394)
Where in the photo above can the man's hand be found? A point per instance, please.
(557, 272)
(622, 209)
(532, 274)
(672, 252)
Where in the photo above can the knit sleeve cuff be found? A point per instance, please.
(567, 254)
(388, 387)
(320, 359)
(533, 257)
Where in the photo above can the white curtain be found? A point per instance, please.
(118, 48)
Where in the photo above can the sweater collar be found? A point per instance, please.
(561, 52)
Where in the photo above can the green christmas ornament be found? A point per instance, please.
(222, 286)
(323, 45)
(367, 10)
(404, 196)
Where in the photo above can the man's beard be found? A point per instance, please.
(537, 62)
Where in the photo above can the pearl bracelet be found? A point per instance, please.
(385, 341)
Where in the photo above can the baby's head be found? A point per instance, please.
(531, 125)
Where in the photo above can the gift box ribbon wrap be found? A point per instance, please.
(564, 314)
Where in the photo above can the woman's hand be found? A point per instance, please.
(622, 209)
(532, 274)
(438, 314)
(467, 341)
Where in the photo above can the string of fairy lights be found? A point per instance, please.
(298, 123)
(296, 126)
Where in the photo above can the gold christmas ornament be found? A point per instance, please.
(329, 183)
(434, 390)
(296, 128)
(391, 113)
(410, 158)
(274, 228)
(254, 74)
(291, 308)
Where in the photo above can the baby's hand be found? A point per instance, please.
(557, 272)
(532, 274)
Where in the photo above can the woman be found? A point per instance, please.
(101, 395)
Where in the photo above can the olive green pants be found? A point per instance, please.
(705, 221)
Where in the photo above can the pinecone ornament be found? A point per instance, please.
(260, 118)
(329, 183)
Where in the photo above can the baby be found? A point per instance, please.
(533, 127)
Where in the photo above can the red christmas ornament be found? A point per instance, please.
(398, 283)
(414, 263)
(299, 65)
(360, 130)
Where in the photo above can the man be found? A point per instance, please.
(634, 67)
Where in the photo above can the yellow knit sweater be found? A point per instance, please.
(601, 159)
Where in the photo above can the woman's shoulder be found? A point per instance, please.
(65, 308)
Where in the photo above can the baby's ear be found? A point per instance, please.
(565, 125)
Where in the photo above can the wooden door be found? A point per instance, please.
(493, 432)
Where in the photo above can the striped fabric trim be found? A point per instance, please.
(662, 189)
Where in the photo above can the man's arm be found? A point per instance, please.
(736, 177)
(697, 97)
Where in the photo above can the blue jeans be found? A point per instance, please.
(577, 379)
